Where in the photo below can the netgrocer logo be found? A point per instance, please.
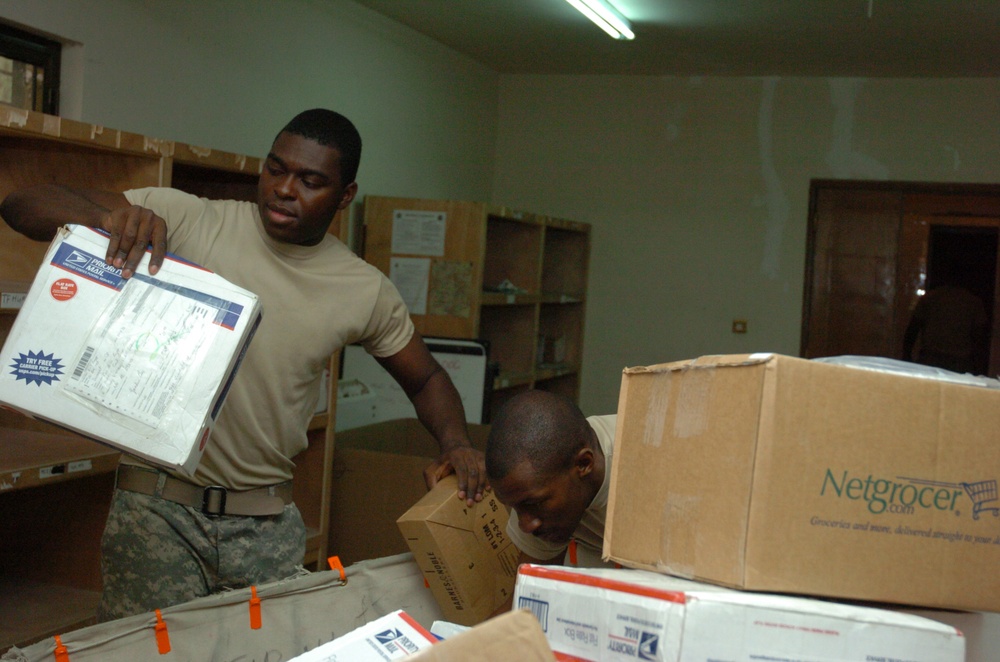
(905, 495)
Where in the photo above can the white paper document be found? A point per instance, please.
(411, 276)
(418, 232)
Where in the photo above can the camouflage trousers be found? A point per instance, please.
(156, 553)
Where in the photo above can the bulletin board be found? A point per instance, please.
(367, 394)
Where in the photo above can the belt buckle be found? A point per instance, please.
(213, 500)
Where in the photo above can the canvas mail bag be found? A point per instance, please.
(269, 623)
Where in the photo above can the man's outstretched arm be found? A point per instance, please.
(38, 212)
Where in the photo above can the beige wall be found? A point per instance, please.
(229, 73)
(698, 192)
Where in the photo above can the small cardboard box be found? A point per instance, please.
(625, 614)
(142, 364)
(465, 554)
(362, 520)
(771, 473)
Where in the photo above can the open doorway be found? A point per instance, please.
(875, 248)
(971, 252)
(951, 326)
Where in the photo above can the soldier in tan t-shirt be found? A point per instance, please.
(171, 538)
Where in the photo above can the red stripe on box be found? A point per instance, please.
(548, 572)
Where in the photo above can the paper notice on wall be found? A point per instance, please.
(411, 276)
(451, 288)
(418, 232)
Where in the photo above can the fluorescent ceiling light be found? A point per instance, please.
(605, 17)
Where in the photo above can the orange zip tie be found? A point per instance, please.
(254, 609)
(162, 638)
(572, 551)
(62, 655)
(335, 564)
(427, 584)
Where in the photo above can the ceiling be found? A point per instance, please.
(853, 38)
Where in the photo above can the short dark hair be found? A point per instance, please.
(545, 428)
(332, 129)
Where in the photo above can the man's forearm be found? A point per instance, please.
(439, 408)
(39, 211)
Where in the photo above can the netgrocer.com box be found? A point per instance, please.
(142, 364)
(772, 473)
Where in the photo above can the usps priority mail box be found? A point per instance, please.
(390, 637)
(141, 364)
(628, 614)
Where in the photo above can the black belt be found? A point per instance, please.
(211, 500)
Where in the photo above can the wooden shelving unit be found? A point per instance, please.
(55, 490)
(55, 487)
(524, 287)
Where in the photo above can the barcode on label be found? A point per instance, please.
(82, 365)
(539, 608)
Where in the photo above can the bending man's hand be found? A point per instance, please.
(132, 230)
(469, 466)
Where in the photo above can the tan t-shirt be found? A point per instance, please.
(590, 531)
(314, 299)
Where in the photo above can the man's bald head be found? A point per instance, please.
(544, 428)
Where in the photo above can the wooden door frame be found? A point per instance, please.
(927, 199)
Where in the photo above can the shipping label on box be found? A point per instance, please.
(780, 474)
(465, 554)
(624, 614)
(141, 364)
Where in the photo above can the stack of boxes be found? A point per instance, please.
(770, 473)
(756, 500)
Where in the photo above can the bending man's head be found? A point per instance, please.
(544, 461)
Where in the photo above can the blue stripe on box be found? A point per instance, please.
(94, 268)
(87, 265)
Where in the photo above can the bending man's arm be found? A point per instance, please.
(38, 212)
(439, 408)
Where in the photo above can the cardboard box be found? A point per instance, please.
(465, 554)
(142, 365)
(389, 637)
(772, 473)
(511, 636)
(606, 614)
(363, 520)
